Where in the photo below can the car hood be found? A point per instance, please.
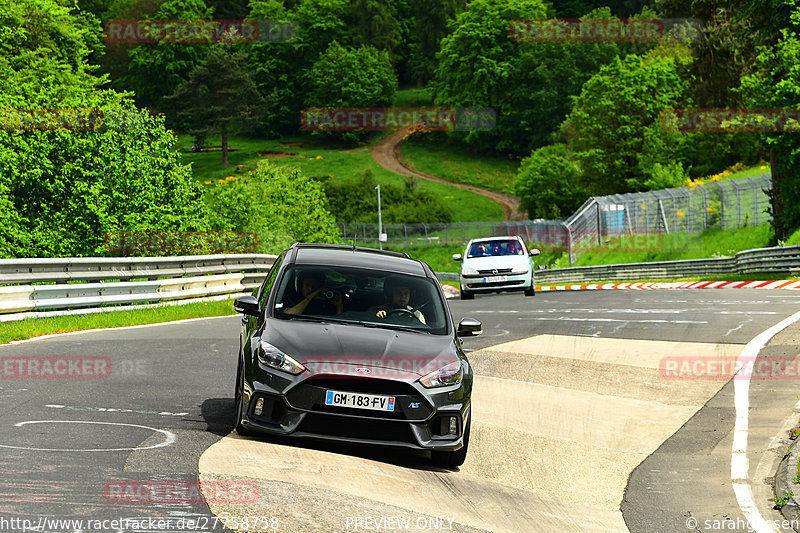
(342, 348)
(497, 261)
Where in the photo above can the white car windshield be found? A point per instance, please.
(498, 247)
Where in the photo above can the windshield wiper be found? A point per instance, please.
(393, 326)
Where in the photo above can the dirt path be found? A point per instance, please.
(387, 153)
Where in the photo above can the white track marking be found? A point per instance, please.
(739, 462)
(169, 437)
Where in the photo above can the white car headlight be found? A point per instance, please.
(520, 270)
(447, 375)
(273, 357)
(468, 271)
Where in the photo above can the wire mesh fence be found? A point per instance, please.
(727, 204)
(721, 205)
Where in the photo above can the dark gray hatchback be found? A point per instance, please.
(357, 345)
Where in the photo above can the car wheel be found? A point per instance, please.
(467, 295)
(532, 290)
(239, 402)
(452, 459)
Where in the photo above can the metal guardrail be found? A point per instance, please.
(780, 260)
(36, 287)
(74, 284)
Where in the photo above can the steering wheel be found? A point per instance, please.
(399, 311)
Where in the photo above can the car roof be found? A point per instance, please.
(498, 238)
(341, 255)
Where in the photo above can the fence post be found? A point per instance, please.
(427, 241)
(721, 205)
(599, 223)
(463, 233)
(405, 232)
(445, 233)
(569, 245)
(755, 199)
(705, 206)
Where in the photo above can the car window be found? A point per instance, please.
(407, 302)
(496, 248)
(266, 286)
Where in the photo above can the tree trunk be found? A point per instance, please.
(224, 145)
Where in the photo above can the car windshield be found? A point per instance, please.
(370, 298)
(495, 247)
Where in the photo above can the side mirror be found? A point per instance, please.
(469, 327)
(542, 267)
(535, 251)
(457, 257)
(246, 304)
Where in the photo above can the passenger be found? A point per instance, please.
(313, 303)
(479, 250)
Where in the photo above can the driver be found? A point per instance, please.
(400, 294)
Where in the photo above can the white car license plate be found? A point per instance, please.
(495, 279)
(359, 401)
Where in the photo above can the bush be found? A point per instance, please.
(548, 183)
(279, 204)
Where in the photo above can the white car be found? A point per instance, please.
(496, 264)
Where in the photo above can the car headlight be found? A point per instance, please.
(273, 357)
(520, 270)
(447, 375)
(467, 271)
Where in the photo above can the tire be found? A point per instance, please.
(532, 290)
(238, 400)
(452, 459)
(467, 295)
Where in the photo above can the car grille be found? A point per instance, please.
(310, 396)
(494, 284)
(495, 271)
(357, 428)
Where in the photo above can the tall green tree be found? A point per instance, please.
(155, 70)
(614, 127)
(775, 84)
(432, 18)
(65, 184)
(219, 96)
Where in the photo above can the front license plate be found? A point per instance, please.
(495, 279)
(359, 401)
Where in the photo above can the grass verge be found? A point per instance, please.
(316, 158)
(34, 327)
(434, 155)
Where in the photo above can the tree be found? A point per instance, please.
(154, 71)
(219, 96)
(279, 204)
(432, 18)
(775, 83)
(64, 185)
(614, 127)
(549, 183)
(361, 77)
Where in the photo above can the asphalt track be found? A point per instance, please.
(576, 420)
